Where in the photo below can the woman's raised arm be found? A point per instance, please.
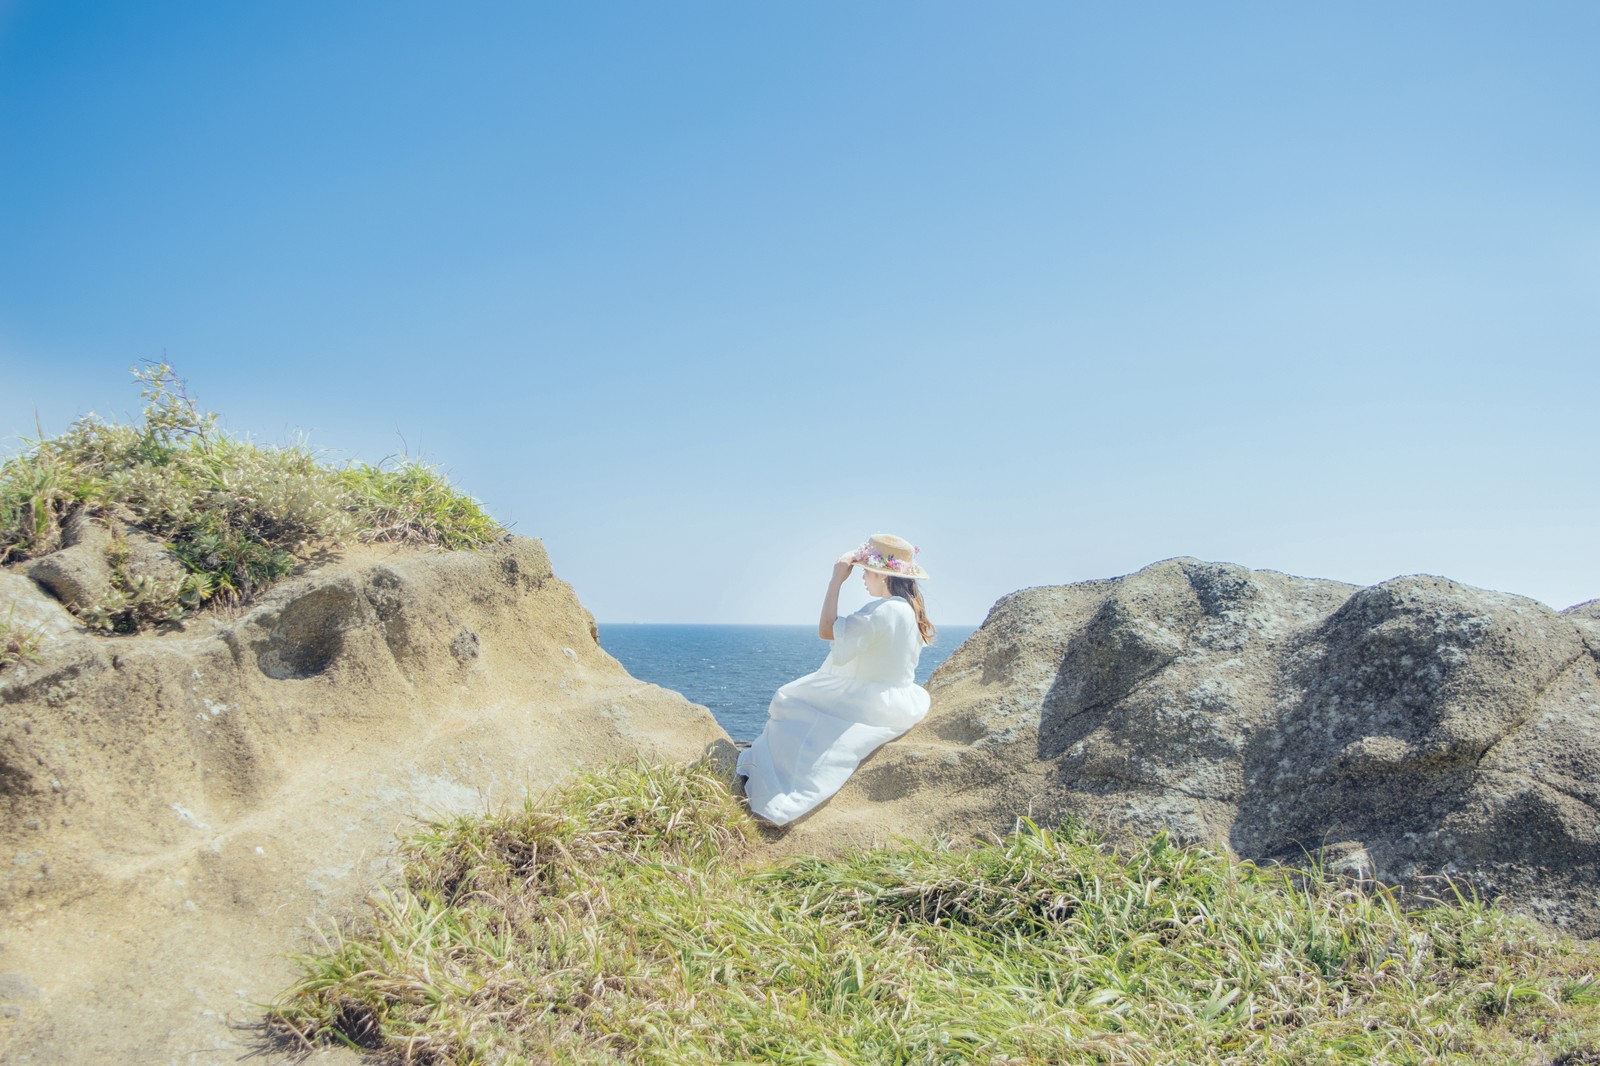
(830, 602)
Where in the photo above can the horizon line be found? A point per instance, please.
(787, 625)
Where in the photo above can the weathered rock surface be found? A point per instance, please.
(175, 809)
(1413, 728)
(79, 574)
(101, 560)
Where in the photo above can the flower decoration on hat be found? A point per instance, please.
(889, 555)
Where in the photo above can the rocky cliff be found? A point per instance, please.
(1414, 728)
(176, 807)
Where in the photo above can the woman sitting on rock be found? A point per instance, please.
(820, 727)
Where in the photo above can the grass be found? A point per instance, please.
(19, 643)
(628, 920)
(412, 504)
(236, 514)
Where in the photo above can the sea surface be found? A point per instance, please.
(734, 670)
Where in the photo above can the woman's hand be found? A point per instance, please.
(830, 602)
(842, 568)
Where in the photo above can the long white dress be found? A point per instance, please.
(820, 727)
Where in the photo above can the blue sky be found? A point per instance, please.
(703, 293)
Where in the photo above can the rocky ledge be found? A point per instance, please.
(1415, 728)
(176, 808)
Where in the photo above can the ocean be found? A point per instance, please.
(734, 670)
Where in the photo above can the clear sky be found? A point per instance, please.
(702, 293)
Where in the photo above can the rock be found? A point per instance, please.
(177, 809)
(24, 603)
(149, 559)
(1586, 616)
(1415, 728)
(79, 575)
(104, 561)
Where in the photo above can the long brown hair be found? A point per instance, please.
(906, 589)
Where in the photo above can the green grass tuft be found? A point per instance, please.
(413, 504)
(237, 515)
(626, 920)
(19, 642)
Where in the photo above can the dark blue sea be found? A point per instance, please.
(734, 670)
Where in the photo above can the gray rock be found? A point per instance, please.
(149, 559)
(1415, 728)
(26, 605)
(1586, 616)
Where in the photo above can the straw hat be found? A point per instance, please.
(884, 553)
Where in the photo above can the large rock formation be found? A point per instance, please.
(176, 808)
(1413, 728)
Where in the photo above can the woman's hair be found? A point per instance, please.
(906, 589)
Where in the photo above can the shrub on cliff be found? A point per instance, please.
(236, 515)
(625, 921)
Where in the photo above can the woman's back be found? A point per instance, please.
(878, 643)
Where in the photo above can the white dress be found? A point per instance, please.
(820, 727)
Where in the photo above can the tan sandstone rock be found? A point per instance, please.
(79, 574)
(179, 808)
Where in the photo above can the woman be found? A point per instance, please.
(821, 726)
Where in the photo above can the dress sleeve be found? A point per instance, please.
(852, 633)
